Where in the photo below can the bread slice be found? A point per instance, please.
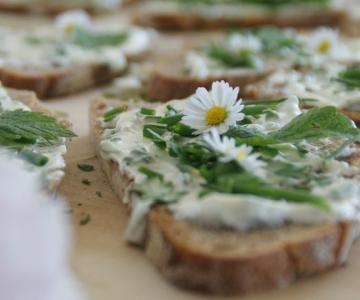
(29, 99)
(24, 64)
(54, 7)
(170, 16)
(226, 261)
(264, 90)
(169, 83)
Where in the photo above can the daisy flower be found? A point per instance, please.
(219, 108)
(68, 21)
(239, 42)
(323, 41)
(243, 155)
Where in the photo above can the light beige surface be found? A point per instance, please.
(111, 270)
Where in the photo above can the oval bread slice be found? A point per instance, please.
(226, 261)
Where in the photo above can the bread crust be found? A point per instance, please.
(49, 84)
(49, 9)
(177, 249)
(164, 85)
(178, 20)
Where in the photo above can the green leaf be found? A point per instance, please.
(248, 184)
(325, 122)
(222, 55)
(350, 77)
(274, 39)
(87, 39)
(20, 128)
(171, 120)
(36, 159)
(114, 112)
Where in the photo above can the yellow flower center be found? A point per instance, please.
(324, 46)
(69, 28)
(241, 155)
(216, 115)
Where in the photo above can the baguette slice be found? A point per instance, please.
(261, 90)
(169, 16)
(52, 75)
(30, 100)
(230, 262)
(58, 82)
(167, 83)
(51, 8)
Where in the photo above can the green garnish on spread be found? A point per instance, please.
(21, 128)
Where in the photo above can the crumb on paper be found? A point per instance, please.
(86, 182)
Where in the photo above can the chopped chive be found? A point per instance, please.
(114, 112)
(148, 111)
(150, 173)
(85, 219)
(86, 167)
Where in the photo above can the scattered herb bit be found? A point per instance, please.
(79, 204)
(114, 112)
(86, 182)
(99, 194)
(85, 219)
(37, 159)
(86, 167)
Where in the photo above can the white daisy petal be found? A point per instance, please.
(218, 108)
(69, 20)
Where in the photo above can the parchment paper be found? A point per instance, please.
(107, 267)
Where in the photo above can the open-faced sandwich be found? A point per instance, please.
(58, 6)
(249, 56)
(33, 134)
(230, 196)
(334, 84)
(70, 56)
(205, 14)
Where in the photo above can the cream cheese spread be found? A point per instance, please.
(53, 170)
(124, 143)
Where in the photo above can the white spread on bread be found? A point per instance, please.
(319, 84)
(53, 170)
(49, 49)
(123, 140)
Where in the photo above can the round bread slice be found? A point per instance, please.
(47, 8)
(153, 15)
(58, 82)
(256, 91)
(167, 83)
(226, 261)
